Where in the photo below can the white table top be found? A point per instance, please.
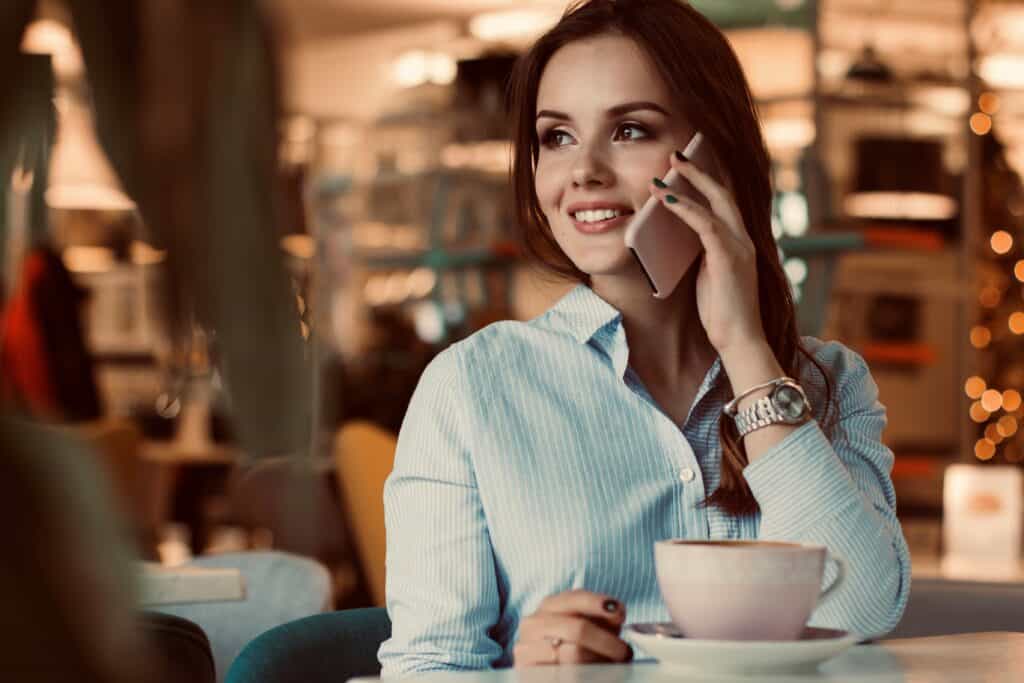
(967, 658)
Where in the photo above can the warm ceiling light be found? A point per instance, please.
(988, 102)
(900, 205)
(1011, 400)
(1007, 426)
(788, 133)
(512, 24)
(417, 67)
(978, 413)
(1018, 270)
(1001, 241)
(993, 435)
(49, 37)
(81, 176)
(1002, 71)
(975, 387)
(145, 255)
(984, 449)
(981, 124)
(980, 336)
(86, 259)
(1016, 323)
(992, 400)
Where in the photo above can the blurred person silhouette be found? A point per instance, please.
(47, 368)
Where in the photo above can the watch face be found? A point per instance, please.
(789, 403)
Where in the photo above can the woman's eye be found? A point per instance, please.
(556, 138)
(631, 131)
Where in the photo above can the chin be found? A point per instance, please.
(604, 264)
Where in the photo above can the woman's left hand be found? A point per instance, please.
(727, 297)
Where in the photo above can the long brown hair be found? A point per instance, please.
(709, 89)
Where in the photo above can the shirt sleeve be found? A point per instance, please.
(839, 494)
(442, 593)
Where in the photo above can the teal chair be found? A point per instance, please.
(324, 648)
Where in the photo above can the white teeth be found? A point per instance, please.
(596, 215)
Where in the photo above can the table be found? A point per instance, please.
(966, 569)
(965, 658)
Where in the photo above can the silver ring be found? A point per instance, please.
(556, 643)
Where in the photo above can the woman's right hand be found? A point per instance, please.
(574, 627)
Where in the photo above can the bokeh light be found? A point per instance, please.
(975, 386)
(984, 449)
(992, 400)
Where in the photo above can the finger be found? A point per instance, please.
(702, 221)
(586, 634)
(571, 653)
(542, 653)
(719, 197)
(588, 604)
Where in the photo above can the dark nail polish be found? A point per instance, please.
(658, 183)
(611, 606)
(671, 198)
(681, 156)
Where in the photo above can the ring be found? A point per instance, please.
(556, 642)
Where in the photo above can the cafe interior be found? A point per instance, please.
(203, 380)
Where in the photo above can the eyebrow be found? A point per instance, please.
(617, 110)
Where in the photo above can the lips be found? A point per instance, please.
(592, 210)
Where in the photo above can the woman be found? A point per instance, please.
(540, 461)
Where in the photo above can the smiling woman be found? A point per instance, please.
(540, 462)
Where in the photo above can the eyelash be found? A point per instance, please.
(548, 138)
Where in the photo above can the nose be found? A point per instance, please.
(590, 170)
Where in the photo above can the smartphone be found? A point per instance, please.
(664, 248)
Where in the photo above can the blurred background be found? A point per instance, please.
(896, 130)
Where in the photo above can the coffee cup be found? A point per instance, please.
(742, 590)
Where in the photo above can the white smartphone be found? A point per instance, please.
(664, 249)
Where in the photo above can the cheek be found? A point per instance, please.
(549, 185)
(635, 171)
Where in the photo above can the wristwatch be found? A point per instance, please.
(787, 404)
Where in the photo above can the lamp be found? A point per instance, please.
(900, 179)
(868, 67)
(80, 176)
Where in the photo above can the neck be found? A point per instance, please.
(667, 342)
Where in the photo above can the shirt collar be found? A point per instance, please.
(584, 313)
(588, 318)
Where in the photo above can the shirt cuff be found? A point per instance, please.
(799, 482)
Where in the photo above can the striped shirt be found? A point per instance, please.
(532, 461)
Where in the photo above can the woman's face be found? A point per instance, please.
(606, 128)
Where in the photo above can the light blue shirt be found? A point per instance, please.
(533, 461)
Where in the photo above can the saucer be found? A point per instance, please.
(668, 645)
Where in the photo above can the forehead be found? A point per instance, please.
(597, 73)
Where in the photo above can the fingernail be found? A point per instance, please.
(681, 156)
(658, 183)
(671, 198)
(611, 606)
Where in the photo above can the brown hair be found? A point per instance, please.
(702, 72)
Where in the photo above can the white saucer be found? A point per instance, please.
(664, 642)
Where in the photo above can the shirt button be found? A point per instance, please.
(686, 475)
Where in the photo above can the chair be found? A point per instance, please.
(363, 456)
(142, 490)
(325, 648)
(279, 588)
(939, 607)
(179, 649)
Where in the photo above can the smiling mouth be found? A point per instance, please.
(599, 220)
